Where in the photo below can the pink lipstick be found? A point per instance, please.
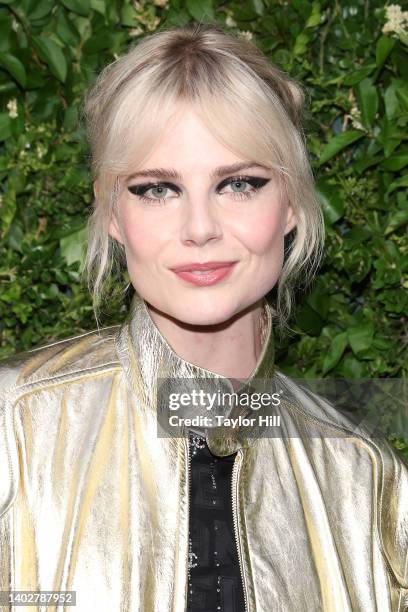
(204, 274)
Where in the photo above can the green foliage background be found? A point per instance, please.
(353, 321)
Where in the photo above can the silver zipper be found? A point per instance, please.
(188, 484)
(234, 492)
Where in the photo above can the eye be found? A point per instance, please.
(158, 191)
(243, 187)
(240, 184)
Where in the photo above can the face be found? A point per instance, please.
(200, 211)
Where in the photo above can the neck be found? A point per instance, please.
(230, 349)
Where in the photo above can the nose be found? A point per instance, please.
(201, 221)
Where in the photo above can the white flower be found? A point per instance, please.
(15, 25)
(245, 34)
(397, 20)
(230, 22)
(135, 32)
(41, 150)
(12, 108)
(355, 117)
(161, 3)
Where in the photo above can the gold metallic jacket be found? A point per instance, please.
(93, 500)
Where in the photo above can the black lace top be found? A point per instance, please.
(214, 577)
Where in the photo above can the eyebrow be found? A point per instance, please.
(170, 173)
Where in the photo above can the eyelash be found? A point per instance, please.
(256, 182)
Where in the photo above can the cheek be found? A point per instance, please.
(140, 240)
(264, 234)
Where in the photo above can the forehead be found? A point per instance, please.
(187, 136)
(186, 141)
(185, 133)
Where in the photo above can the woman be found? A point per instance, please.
(204, 191)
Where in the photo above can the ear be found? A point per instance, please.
(290, 220)
(113, 229)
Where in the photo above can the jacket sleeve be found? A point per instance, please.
(393, 517)
(8, 487)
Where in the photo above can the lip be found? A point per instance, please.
(209, 265)
(211, 272)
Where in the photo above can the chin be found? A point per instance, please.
(205, 311)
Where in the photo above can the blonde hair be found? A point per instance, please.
(245, 101)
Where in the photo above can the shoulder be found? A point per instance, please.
(89, 351)
(322, 419)
(393, 510)
(28, 373)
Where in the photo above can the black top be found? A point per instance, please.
(214, 577)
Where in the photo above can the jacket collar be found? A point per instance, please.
(148, 360)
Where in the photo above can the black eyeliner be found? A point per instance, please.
(139, 190)
(255, 181)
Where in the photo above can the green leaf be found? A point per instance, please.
(258, 7)
(128, 15)
(396, 220)
(301, 43)
(309, 320)
(200, 9)
(335, 352)
(402, 93)
(314, 18)
(81, 7)
(71, 118)
(358, 234)
(365, 162)
(401, 182)
(390, 136)
(330, 201)
(391, 101)
(72, 246)
(358, 75)
(360, 337)
(99, 41)
(395, 162)
(66, 30)
(384, 46)
(15, 237)
(338, 143)
(14, 67)
(51, 54)
(351, 367)
(39, 9)
(8, 208)
(5, 126)
(367, 98)
(98, 6)
(403, 37)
